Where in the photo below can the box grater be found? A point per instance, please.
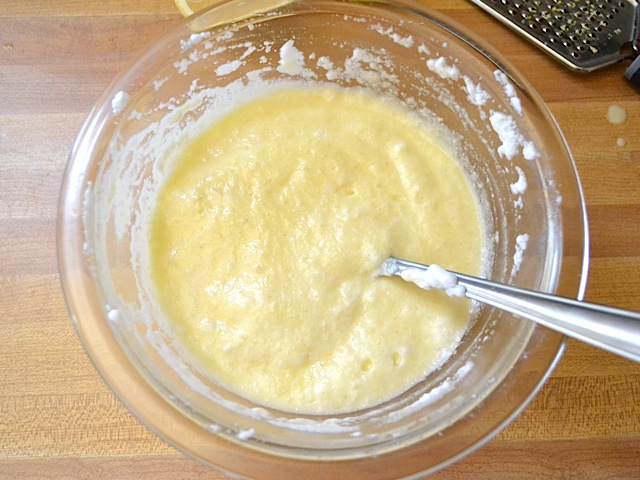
(584, 35)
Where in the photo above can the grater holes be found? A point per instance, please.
(574, 28)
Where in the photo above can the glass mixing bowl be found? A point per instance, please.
(505, 137)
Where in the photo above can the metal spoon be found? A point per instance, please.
(609, 328)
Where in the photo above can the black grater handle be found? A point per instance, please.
(633, 72)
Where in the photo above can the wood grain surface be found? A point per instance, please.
(57, 417)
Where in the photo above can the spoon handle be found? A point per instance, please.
(612, 329)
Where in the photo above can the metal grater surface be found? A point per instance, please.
(582, 34)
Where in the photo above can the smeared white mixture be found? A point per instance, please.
(509, 90)
(443, 69)
(519, 187)
(291, 60)
(475, 93)
(434, 276)
(389, 32)
(521, 245)
(513, 142)
(367, 68)
(119, 102)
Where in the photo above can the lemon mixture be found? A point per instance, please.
(268, 236)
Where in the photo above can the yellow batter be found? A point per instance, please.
(267, 238)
